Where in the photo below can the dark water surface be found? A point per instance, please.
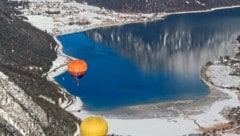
(153, 62)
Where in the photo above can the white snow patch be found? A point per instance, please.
(220, 76)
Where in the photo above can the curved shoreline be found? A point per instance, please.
(171, 109)
(154, 110)
(161, 105)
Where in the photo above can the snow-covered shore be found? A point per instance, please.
(172, 126)
(90, 16)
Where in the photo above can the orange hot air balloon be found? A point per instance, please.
(77, 68)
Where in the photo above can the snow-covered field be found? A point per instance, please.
(96, 17)
(219, 75)
(169, 126)
(75, 17)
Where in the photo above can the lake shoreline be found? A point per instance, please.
(171, 109)
(64, 58)
(159, 16)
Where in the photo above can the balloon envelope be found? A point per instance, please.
(94, 126)
(77, 68)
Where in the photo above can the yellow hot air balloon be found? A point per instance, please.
(94, 126)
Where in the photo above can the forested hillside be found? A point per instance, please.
(160, 5)
(26, 53)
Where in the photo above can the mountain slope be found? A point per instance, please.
(160, 5)
(26, 54)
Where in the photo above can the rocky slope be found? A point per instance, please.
(26, 54)
(160, 5)
(238, 39)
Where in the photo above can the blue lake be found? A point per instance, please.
(151, 62)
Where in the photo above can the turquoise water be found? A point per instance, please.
(147, 63)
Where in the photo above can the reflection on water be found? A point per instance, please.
(182, 46)
(148, 63)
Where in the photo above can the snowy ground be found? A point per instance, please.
(219, 74)
(74, 12)
(75, 17)
(169, 126)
